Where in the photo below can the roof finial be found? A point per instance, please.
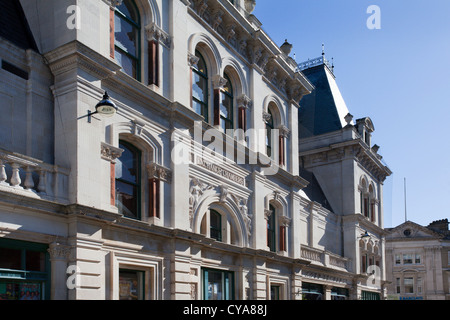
(332, 64)
(323, 49)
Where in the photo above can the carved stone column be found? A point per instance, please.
(59, 255)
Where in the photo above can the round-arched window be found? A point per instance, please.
(128, 181)
(127, 30)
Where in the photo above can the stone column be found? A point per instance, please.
(59, 255)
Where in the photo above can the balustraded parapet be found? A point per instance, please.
(33, 177)
(324, 258)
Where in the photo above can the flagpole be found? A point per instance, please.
(406, 214)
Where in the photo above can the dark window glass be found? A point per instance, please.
(35, 261)
(200, 87)
(218, 285)
(226, 106)
(269, 138)
(216, 225)
(128, 181)
(10, 259)
(127, 33)
(274, 292)
(271, 240)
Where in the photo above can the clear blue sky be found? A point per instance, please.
(398, 76)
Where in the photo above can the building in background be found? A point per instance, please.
(213, 180)
(418, 261)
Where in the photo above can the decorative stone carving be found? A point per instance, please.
(223, 191)
(266, 116)
(284, 131)
(267, 214)
(219, 82)
(196, 190)
(138, 126)
(230, 32)
(250, 5)
(201, 6)
(155, 171)
(255, 52)
(193, 60)
(217, 19)
(244, 101)
(58, 251)
(155, 33)
(109, 152)
(285, 221)
(113, 3)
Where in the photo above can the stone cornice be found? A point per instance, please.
(354, 148)
(75, 55)
(252, 44)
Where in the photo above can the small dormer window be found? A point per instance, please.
(367, 138)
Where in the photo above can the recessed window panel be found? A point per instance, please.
(128, 181)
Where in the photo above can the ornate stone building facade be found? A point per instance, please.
(203, 185)
(418, 261)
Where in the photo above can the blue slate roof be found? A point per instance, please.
(324, 109)
(314, 190)
(14, 26)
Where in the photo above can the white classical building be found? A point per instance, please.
(418, 261)
(228, 171)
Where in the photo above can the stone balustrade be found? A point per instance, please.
(33, 177)
(324, 258)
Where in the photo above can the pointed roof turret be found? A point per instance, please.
(324, 110)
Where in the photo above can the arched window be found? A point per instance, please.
(127, 38)
(200, 87)
(226, 106)
(269, 138)
(371, 208)
(271, 229)
(215, 225)
(128, 181)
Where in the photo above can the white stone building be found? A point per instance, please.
(199, 186)
(418, 261)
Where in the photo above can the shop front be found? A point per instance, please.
(24, 270)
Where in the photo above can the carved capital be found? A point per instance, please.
(284, 131)
(285, 221)
(109, 152)
(244, 101)
(58, 251)
(193, 60)
(155, 33)
(267, 214)
(155, 171)
(266, 116)
(113, 3)
(219, 82)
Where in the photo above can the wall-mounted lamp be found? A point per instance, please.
(105, 107)
(365, 235)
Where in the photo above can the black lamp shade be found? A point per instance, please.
(106, 107)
